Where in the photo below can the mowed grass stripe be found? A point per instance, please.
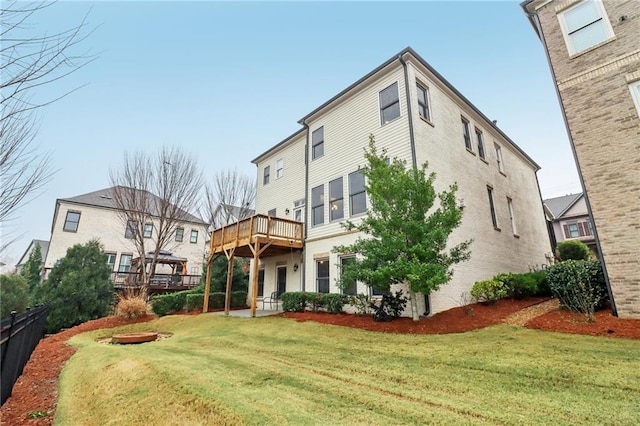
(278, 371)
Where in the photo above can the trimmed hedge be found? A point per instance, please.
(189, 300)
(573, 250)
(294, 301)
(298, 301)
(521, 286)
(579, 285)
(489, 291)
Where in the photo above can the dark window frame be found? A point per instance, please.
(149, 227)
(336, 199)
(266, 174)
(480, 143)
(466, 133)
(357, 192)
(390, 105)
(322, 282)
(423, 104)
(181, 234)
(317, 143)
(192, 240)
(492, 207)
(67, 221)
(317, 205)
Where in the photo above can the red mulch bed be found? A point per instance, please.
(36, 389)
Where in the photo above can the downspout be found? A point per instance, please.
(306, 205)
(534, 18)
(414, 162)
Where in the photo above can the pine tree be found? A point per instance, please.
(32, 269)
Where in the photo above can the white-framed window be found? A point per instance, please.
(423, 101)
(125, 263)
(148, 230)
(179, 234)
(585, 25)
(492, 208)
(635, 94)
(266, 174)
(466, 133)
(499, 159)
(389, 103)
(298, 210)
(357, 193)
(512, 216)
(194, 236)
(279, 168)
(71, 222)
(336, 199)
(322, 275)
(480, 141)
(317, 143)
(111, 260)
(317, 205)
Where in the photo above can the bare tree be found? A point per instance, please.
(229, 198)
(157, 190)
(28, 62)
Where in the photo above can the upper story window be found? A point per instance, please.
(577, 229)
(480, 143)
(279, 168)
(194, 236)
(71, 222)
(389, 103)
(130, 230)
(492, 207)
(148, 230)
(111, 260)
(423, 102)
(179, 234)
(499, 159)
(585, 25)
(635, 94)
(357, 193)
(317, 205)
(317, 143)
(336, 199)
(298, 209)
(466, 133)
(512, 216)
(266, 174)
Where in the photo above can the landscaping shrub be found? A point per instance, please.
(216, 300)
(295, 301)
(132, 307)
(361, 303)
(238, 299)
(316, 301)
(573, 250)
(489, 291)
(15, 294)
(579, 285)
(542, 284)
(335, 302)
(168, 303)
(518, 286)
(389, 307)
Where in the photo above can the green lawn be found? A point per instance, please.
(217, 370)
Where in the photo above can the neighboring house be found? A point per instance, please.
(44, 247)
(570, 220)
(79, 219)
(593, 48)
(312, 177)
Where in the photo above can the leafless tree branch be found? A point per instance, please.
(230, 197)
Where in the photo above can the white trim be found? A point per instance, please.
(634, 88)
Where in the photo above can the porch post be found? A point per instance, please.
(254, 282)
(227, 299)
(205, 302)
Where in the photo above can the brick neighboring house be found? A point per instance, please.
(312, 178)
(78, 219)
(593, 48)
(570, 220)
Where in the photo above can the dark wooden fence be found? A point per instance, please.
(20, 336)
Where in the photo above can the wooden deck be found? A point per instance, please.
(281, 236)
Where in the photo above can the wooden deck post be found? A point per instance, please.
(227, 299)
(254, 282)
(207, 285)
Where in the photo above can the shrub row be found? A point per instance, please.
(190, 300)
(216, 300)
(298, 301)
(517, 286)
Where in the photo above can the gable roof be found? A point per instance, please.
(559, 205)
(104, 198)
(410, 52)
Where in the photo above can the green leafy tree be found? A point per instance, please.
(573, 250)
(32, 268)
(15, 294)
(239, 281)
(406, 240)
(78, 288)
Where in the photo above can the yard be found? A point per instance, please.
(217, 370)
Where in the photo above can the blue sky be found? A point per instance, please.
(228, 80)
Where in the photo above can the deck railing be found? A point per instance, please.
(125, 279)
(257, 226)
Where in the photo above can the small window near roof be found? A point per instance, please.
(266, 175)
(499, 158)
(466, 133)
(279, 168)
(179, 234)
(635, 94)
(71, 221)
(585, 25)
(389, 103)
(492, 207)
(317, 143)
(130, 230)
(148, 230)
(480, 143)
(423, 102)
(194, 236)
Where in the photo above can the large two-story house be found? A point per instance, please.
(312, 177)
(78, 219)
(593, 48)
(570, 220)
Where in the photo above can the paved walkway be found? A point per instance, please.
(525, 315)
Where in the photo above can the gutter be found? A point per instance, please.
(533, 17)
(411, 135)
(306, 203)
